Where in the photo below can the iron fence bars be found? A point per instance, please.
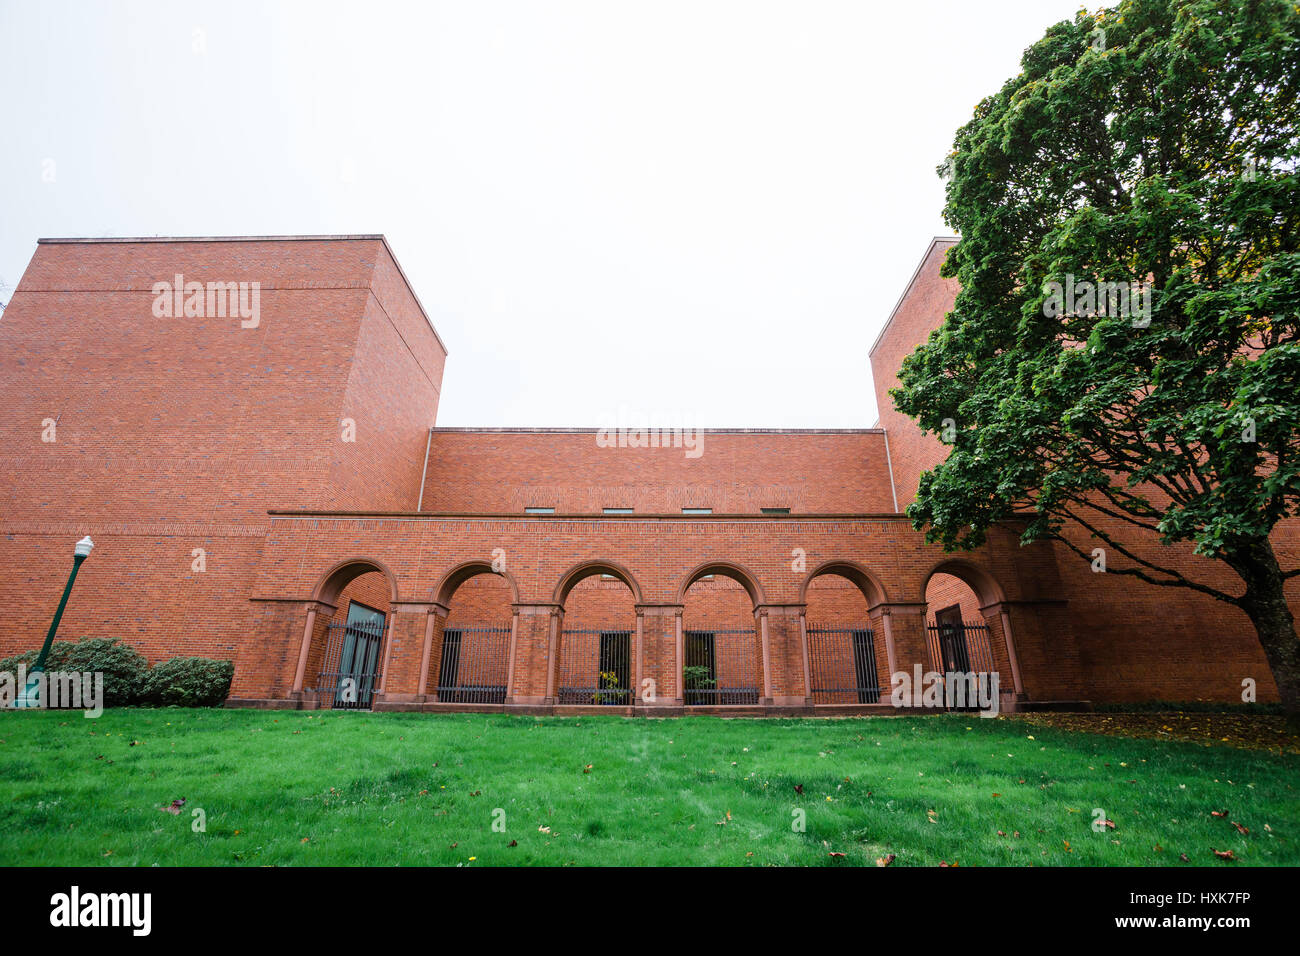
(473, 665)
(350, 670)
(842, 665)
(960, 646)
(720, 672)
(595, 667)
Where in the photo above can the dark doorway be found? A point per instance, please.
(953, 653)
(353, 649)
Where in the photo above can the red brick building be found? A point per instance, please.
(265, 483)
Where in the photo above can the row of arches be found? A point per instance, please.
(982, 584)
(722, 657)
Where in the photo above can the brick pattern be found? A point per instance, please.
(176, 437)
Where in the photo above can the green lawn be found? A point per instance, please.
(302, 788)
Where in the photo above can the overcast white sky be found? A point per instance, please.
(699, 212)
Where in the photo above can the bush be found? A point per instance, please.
(188, 682)
(121, 664)
(123, 667)
(10, 665)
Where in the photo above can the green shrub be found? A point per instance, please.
(10, 665)
(188, 682)
(696, 677)
(121, 664)
(123, 667)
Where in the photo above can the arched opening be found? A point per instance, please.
(346, 648)
(848, 662)
(961, 636)
(470, 653)
(722, 645)
(596, 661)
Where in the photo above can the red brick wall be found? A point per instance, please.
(926, 301)
(660, 555)
(180, 433)
(737, 472)
(945, 590)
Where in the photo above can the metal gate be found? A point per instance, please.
(595, 667)
(350, 673)
(842, 665)
(473, 665)
(960, 646)
(706, 680)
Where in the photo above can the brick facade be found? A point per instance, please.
(245, 485)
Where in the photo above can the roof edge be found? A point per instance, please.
(936, 240)
(522, 430)
(336, 237)
(323, 238)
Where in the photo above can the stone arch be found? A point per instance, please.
(332, 582)
(469, 637)
(848, 652)
(458, 575)
(343, 660)
(595, 633)
(737, 572)
(985, 585)
(586, 569)
(872, 588)
(991, 644)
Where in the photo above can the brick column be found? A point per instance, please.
(318, 618)
(536, 636)
(404, 654)
(905, 642)
(434, 625)
(785, 654)
(659, 654)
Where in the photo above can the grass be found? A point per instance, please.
(298, 788)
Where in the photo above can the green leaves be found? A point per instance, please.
(1163, 160)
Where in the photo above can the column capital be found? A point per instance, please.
(792, 609)
(900, 608)
(420, 607)
(539, 607)
(659, 609)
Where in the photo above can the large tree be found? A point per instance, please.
(1154, 146)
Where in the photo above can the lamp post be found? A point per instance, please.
(31, 692)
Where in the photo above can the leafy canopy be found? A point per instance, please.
(1154, 144)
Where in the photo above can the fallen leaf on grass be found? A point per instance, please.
(1224, 854)
(886, 860)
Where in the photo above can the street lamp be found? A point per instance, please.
(31, 693)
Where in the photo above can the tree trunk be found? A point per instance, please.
(1265, 603)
